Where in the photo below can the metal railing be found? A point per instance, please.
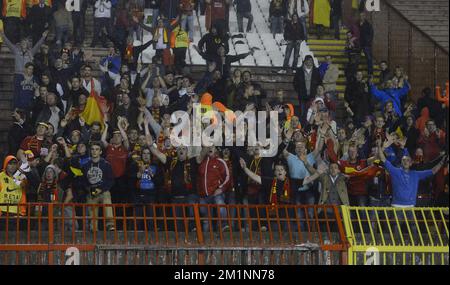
(148, 234)
(397, 236)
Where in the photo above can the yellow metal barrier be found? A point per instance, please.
(397, 236)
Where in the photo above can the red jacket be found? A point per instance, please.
(355, 186)
(431, 145)
(213, 174)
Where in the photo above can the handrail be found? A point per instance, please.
(398, 12)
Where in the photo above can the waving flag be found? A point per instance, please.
(96, 107)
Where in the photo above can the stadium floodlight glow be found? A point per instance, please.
(212, 127)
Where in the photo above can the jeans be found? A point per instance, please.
(70, 219)
(184, 215)
(155, 15)
(230, 199)
(335, 19)
(368, 53)
(144, 208)
(354, 58)
(62, 36)
(359, 200)
(240, 20)
(305, 197)
(292, 45)
(280, 223)
(404, 220)
(187, 24)
(253, 212)
(213, 200)
(303, 112)
(303, 23)
(180, 58)
(99, 24)
(276, 25)
(78, 19)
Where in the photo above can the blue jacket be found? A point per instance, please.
(405, 184)
(395, 155)
(392, 94)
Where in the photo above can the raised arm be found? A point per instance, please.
(375, 92)
(37, 46)
(161, 156)
(405, 89)
(249, 173)
(438, 166)
(153, 124)
(126, 143)
(104, 135)
(147, 79)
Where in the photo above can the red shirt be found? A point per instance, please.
(355, 186)
(32, 143)
(117, 157)
(432, 145)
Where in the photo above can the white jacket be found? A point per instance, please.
(102, 9)
(299, 8)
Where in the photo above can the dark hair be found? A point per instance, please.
(86, 66)
(59, 161)
(96, 143)
(280, 162)
(383, 61)
(28, 64)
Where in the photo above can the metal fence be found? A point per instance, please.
(172, 234)
(397, 236)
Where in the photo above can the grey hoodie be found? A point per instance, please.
(22, 58)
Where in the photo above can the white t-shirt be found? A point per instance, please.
(160, 44)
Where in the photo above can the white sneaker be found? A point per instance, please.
(282, 71)
(263, 229)
(294, 71)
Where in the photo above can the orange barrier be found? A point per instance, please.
(49, 231)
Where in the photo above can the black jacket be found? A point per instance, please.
(293, 32)
(39, 17)
(243, 6)
(358, 99)
(209, 44)
(224, 67)
(366, 34)
(277, 8)
(300, 84)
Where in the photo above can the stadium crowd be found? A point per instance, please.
(80, 138)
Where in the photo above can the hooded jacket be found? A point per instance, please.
(12, 191)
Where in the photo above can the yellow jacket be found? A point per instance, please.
(15, 8)
(11, 192)
(179, 38)
(1, 30)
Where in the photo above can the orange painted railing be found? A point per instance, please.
(45, 233)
